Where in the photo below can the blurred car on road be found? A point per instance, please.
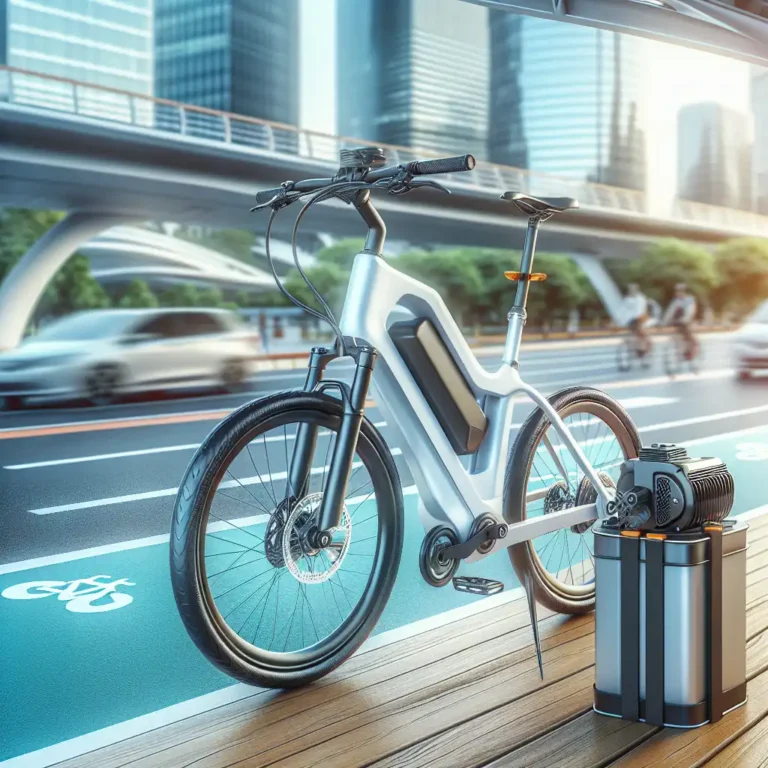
(102, 354)
(751, 344)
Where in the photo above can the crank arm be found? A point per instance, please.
(460, 551)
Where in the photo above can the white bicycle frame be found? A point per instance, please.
(453, 491)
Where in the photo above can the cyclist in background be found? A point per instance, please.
(680, 314)
(636, 312)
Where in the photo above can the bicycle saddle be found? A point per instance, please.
(533, 206)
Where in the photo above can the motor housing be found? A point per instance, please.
(664, 489)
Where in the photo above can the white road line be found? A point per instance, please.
(124, 546)
(719, 373)
(144, 451)
(104, 456)
(163, 492)
(80, 745)
(709, 417)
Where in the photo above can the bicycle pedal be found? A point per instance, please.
(474, 585)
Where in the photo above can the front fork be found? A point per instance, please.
(353, 398)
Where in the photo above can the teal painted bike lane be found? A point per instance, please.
(100, 642)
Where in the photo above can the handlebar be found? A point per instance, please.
(414, 168)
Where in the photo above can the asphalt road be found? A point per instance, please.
(77, 479)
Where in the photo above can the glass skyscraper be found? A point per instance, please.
(760, 159)
(575, 96)
(101, 42)
(240, 56)
(714, 150)
(414, 73)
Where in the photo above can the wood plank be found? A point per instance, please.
(469, 745)
(361, 671)
(612, 738)
(373, 701)
(673, 748)
(408, 711)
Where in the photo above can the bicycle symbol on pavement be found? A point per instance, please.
(752, 452)
(93, 595)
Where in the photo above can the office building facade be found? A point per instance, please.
(760, 159)
(416, 74)
(714, 150)
(99, 42)
(582, 100)
(239, 56)
(506, 132)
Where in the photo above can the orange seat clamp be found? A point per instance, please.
(534, 277)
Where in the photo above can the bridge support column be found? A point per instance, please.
(25, 283)
(604, 284)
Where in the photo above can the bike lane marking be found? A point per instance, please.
(119, 672)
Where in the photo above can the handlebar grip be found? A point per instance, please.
(443, 165)
(267, 194)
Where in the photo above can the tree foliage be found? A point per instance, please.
(742, 266)
(138, 295)
(341, 254)
(667, 262)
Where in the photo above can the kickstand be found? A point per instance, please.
(528, 586)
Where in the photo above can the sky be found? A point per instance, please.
(318, 65)
(675, 76)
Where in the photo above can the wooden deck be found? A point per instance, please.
(467, 694)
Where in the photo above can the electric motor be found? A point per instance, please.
(664, 489)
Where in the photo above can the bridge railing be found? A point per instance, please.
(50, 92)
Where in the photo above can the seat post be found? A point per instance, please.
(517, 314)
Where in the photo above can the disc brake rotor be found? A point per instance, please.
(296, 549)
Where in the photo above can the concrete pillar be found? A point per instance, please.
(25, 283)
(604, 284)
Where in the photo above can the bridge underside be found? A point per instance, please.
(735, 28)
(58, 162)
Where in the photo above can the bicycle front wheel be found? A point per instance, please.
(262, 603)
(543, 477)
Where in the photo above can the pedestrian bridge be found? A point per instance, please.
(111, 158)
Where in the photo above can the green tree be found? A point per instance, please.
(742, 265)
(341, 254)
(74, 288)
(453, 275)
(210, 297)
(181, 295)
(138, 295)
(329, 280)
(566, 288)
(667, 262)
(231, 242)
(19, 230)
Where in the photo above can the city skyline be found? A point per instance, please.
(36, 35)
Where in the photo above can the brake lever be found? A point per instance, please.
(429, 183)
(280, 200)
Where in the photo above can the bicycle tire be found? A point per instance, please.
(550, 591)
(195, 604)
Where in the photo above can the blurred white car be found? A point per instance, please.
(750, 346)
(102, 354)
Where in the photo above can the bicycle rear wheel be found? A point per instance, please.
(257, 598)
(542, 477)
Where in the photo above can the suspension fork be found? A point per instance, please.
(340, 468)
(306, 434)
(344, 451)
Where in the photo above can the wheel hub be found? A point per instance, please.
(297, 542)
